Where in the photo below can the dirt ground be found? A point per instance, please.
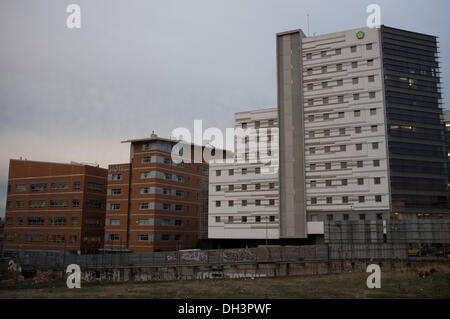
(401, 283)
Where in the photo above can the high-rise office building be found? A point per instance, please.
(361, 135)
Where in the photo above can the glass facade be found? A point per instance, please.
(416, 136)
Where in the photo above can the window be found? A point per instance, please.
(244, 187)
(56, 220)
(329, 217)
(326, 116)
(218, 203)
(94, 186)
(326, 132)
(113, 221)
(32, 237)
(371, 78)
(218, 173)
(146, 159)
(179, 208)
(310, 102)
(113, 237)
(74, 220)
(9, 220)
(370, 62)
(257, 219)
(244, 202)
(312, 150)
(231, 187)
(94, 203)
(341, 99)
(376, 163)
(313, 200)
(341, 116)
(20, 204)
(361, 199)
(339, 82)
(343, 165)
(338, 51)
(311, 118)
(379, 216)
(76, 185)
(230, 203)
(353, 49)
(144, 221)
(258, 202)
(362, 216)
(345, 216)
(375, 145)
(308, 56)
(327, 149)
(116, 177)
(354, 65)
(358, 130)
(323, 54)
(378, 198)
(230, 219)
(328, 182)
(244, 171)
(257, 186)
(339, 67)
(217, 219)
(309, 71)
(118, 191)
(143, 205)
(35, 221)
(312, 167)
(324, 69)
(356, 97)
(360, 181)
(355, 80)
(9, 204)
(36, 203)
(271, 218)
(114, 206)
(325, 100)
(329, 200)
(217, 188)
(257, 170)
(75, 203)
(369, 46)
(271, 202)
(371, 95)
(38, 187)
(142, 237)
(327, 165)
(373, 111)
(231, 172)
(19, 220)
(244, 219)
(244, 125)
(358, 147)
(164, 237)
(377, 180)
(180, 178)
(359, 164)
(21, 187)
(344, 182)
(271, 185)
(313, 184)
(310, 86)
(345, 199)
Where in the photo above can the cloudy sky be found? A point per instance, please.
(137, 66)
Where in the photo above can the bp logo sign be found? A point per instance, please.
(360, 35)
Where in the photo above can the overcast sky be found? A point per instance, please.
(137, 66)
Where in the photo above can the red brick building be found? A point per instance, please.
(55, 206)
(154, 204)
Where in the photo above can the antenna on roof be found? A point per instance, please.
(153, 134)
(307, 19)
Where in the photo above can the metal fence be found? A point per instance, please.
(40, 260)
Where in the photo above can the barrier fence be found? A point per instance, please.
(41, 260)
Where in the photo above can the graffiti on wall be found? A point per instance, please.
(238, 255)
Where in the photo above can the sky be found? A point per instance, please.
(138, 66)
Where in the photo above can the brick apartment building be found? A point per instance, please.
(154, 204)
(55, 207)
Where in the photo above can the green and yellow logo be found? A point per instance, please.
(360, 35)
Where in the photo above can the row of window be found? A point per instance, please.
(339, 82)
(343, 182)
(149, 222)
(342, 165)
(331, 217)
(147, 237)
(56, 186)
(340, 115)
(54, 203)
(244, 187)
(155, 206)
(257, 124)
(54, 238)
(342, 148)
(245, 202)
(342, 131)
(168, 161)
(344, 200)
(51, 220)
(338, 51)
(244, 171)
(245, 219)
